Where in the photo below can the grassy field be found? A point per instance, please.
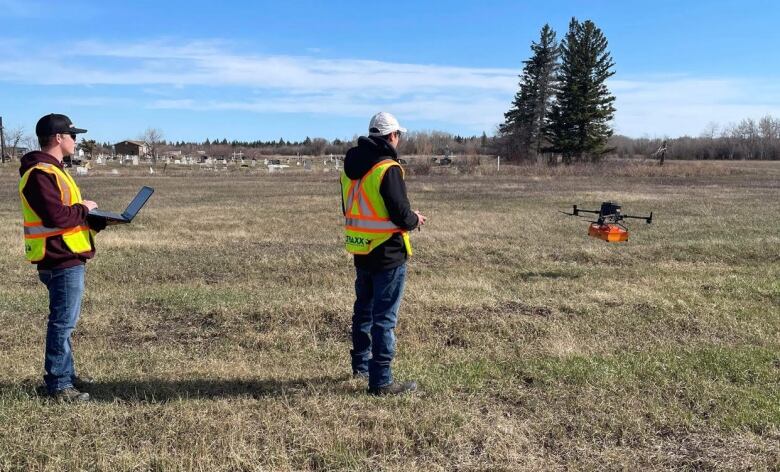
(217, 325)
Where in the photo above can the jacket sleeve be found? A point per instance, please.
(393, 191)
(43, 195)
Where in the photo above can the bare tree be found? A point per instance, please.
(710, 131)
(153, 138)
(769, 127)
(31, 143)
(748, 139)
(316, 147)
(12, 138)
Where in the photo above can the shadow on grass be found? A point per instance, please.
(163, 391)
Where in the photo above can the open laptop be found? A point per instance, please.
(132, 209)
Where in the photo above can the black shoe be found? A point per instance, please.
(360, 375)
(70, 395)
(83, 381)
(394, 388)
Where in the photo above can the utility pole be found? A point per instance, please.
(2, 141)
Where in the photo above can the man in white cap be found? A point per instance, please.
(378, 218)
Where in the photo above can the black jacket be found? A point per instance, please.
(359, 160)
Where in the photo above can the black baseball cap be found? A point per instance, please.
(53, 123)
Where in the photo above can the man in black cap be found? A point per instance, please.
(59, 239)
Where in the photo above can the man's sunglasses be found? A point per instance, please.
(72, 135)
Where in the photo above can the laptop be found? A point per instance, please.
(132, 209)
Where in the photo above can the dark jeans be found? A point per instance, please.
(65, 289)
(378, 296)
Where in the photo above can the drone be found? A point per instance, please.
(609, 224)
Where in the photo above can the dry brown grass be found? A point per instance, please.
(218, 327)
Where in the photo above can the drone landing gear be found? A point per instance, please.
(610, 233)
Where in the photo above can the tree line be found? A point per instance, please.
(747, 140)
(430, 143)
(414, 143)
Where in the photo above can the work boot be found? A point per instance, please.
(394, 388)
(82, 381)
(70, 395)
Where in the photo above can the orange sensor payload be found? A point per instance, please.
(608, 226)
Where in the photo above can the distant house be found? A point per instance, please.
(131, 148)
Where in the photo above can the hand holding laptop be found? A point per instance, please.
(111, 218)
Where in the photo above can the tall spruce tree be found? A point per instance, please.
(579, 123)
(522, 130)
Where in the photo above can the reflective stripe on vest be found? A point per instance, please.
(369, 225)
(77, 239)
(367, 222)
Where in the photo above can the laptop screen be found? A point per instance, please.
(138, 202)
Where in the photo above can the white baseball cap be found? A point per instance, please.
(382, 124)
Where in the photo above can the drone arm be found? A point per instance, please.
(648, 219)
(577, 210)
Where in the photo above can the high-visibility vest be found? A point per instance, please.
(366, 220)
(77, 238)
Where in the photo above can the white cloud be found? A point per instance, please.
(682, 105)
(208, 75)
(475, 97)
(209, 64)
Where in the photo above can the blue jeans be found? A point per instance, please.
(378, 296)
(65, 289)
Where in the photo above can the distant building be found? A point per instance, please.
(131, 148)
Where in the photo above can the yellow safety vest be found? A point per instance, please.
(77, 238)
(367, 223)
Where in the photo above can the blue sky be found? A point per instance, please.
(265, 70)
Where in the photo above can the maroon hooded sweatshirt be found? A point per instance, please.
(43, 195)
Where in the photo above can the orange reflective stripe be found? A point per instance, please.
(355, 195)
(350, 197)
(44, 235)
(65, 193)
(76, 229)
(371, 230)
(40, 229)
(33, 223)
(369, 218)
(385, 225)
(356, 191)
(65, 190)
(364, 197)
(43, 232)
(365, 209)
(386, 161)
